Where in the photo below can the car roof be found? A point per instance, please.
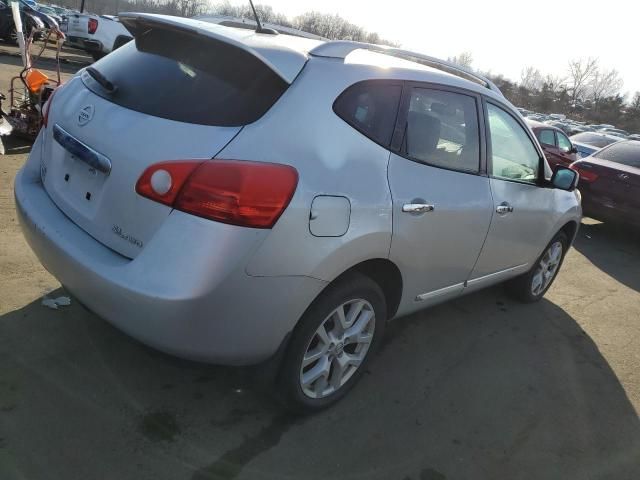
(534, 125)
(287, 54)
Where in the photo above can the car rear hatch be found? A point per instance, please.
(77, 25)
(172, 94)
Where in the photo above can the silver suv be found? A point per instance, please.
(230, 197)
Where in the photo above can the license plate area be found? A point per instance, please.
(80, 184)
(79, 173)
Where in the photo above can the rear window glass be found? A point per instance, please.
(188, 78)
(593, 139)
(371, 108)
(627, 153)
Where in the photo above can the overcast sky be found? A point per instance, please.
(503, 36)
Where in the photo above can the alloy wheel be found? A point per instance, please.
(547, 268)
(337, 348)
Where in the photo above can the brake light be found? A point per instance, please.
(92, 26)
(586, 175)
(46, 108)
(249, 194)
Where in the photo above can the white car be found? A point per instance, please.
(96, 34)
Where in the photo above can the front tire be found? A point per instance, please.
(332, 344)
(531, 286)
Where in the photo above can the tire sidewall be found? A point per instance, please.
(562, 238)
(351, 287)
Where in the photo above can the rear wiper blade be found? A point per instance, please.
(102, 80)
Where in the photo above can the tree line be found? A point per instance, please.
(585, 91)
(326, 25)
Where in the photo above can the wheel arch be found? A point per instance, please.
(386, 274)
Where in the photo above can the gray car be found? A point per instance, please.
(233, 197)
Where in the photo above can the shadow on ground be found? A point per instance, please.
(613, 249)
(479, 388)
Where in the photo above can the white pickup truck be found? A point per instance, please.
(96, 34)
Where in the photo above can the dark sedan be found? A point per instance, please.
(556, 145)
(610, 183)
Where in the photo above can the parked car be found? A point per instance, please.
(97, 35)
(610, 183)
(49, 11)
(634, 136)
(555, 144)
(589, 142)
(616, 132)
(281, 203)
(30, 21)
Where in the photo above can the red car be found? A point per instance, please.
(610, 183)
(554, 142)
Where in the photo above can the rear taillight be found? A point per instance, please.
(46, 108)
(92, 26)
(586, 175)
(249, 194)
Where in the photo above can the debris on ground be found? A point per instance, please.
(54, 303)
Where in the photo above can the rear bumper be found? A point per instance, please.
(195, 305)
(92, 46)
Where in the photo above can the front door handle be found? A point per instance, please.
(504, 208)
(417, 208)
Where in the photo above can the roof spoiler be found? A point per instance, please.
(342, 48)
(286, 66)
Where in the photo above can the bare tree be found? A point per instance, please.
(604, 84)
(465, 59)
(531, 78)
(554, 83)
(581, 72)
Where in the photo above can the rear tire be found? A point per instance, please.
(531, 286)
(332, 344)
(97, 56)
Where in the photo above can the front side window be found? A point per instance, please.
(442, 130)
(371, 108)
(513, 154)
(547, 137)
(564, 144)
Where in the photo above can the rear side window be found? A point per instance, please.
(371, 108)
(442, 130)
(188, 78)
(627, 153)
(547, 137)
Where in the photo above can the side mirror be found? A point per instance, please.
(564, 178)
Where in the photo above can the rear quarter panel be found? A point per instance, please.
(332, 158)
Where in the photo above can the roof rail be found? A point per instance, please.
(342, 48)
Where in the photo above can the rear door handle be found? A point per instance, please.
(504, 208)
(417, 208)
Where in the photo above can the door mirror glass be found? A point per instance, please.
(564, 178)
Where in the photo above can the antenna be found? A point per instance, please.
(260, 29)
